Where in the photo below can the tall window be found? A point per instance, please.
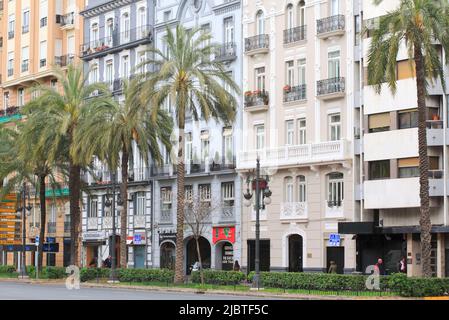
(204, 144)
(260, 23)
(260, 78)
(26, 21)
(94, 74)
(188, 194)
(43, 54)
(125, 29)
(11, 26)
(10, 63)
(25, 58)
(142, 16)
(166, 198)
(260, 137)
(289, 132)
(301, 188)
(109, 72)
(301, 71)
(289, 22)
(290, 73)
(140, 204)
(125, 67)
(333, 63)
(188, 138)
(141, 58)
(109, 31)
(301, 13)
(335, 189)
(6, 100)
(228, 146)
(93, 207)
(94, 34)
(288, 187)
(205, 192)
(229, 30)
(334, 127)
(227, 193)
(20, 97)
(302, 131)
(335, 7)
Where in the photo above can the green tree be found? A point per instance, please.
(62, 111)
(419, 25)
(111, 130)
(194, 84)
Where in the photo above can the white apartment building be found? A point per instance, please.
(301, 100)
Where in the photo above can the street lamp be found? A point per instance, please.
(23, 211)
(259, 185)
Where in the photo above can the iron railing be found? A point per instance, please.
(257, 98)
(295, 34)
(10, 111)
(334, 203)
(64, 60)
(330, 24)
(43, 22)
(68, 19)
(332, 85)
(261, 41)
(51, 227)
(10, 72)
(295, 93)
(25, 66)
(226, 52)
(10, 34)
(26, 28)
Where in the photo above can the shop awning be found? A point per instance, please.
(370, 228)
(356, 227)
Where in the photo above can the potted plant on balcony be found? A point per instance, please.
(287, 88)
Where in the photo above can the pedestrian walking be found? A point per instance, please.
(332, 267)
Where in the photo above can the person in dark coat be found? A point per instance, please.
(379, 267)
(108, 262)
(236, 266)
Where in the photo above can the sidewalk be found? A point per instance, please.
(268, 295)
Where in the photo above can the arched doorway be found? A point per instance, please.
(295, 253)
(224, 255)
(168, 255)
(192, 256)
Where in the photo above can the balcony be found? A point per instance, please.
(166, 216)
(285, 156)
(25, 66)
(68, 21)
(334, 209)
(51, 227)
(10, 34)
(116, 42)
(293, 210)
(226, 53)
(295, 35)
(138, 174)
(25, 29)
(163, 170)
(330, 26)
(435, 133)
(10, 72)
(296, 93)
(92, 223)
(256, 100)
(139, 221)
(257, 45)
(42, 63)
(64, 60)
(330, 88)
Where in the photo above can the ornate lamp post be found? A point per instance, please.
(23, 210)
(110, 207)
(260, 186)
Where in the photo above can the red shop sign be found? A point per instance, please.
(223, 233)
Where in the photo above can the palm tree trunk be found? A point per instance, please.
(43, 207)
(124, 213)
(74, 190)
(424, 221)
(198, 251)
(179, 262)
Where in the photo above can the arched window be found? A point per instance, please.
(301, 13)
(125, 27)
(260, 23)
(335, 189)
(142, 16)
(288, 189)
(301, 180)
(94, 34)
(94, 73)
(289, 16)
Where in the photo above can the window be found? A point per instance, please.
(205, 192)
(379, 122)
(333, 62)
(93, 208)
(229, 30)
(25, 58)
(204, 144)
(357, 30)
(301, 13)
(260, 23)
(125, 67)
(290, 73)
(301, 188)
(405, 69)
(167, 15)
(408, 167)
(10, 64)
(379, 169)
(334, 127)
(140, 203)
(26, 21)
(260, 137)
(43, 11)
(53, 83)
(43, 54)
(408, 119)
(188, 139)
(289, 132)
(109, 31)
(141, 58)
(6, 100)
(228, 145)
(288, 189)
(260, 78)
(94, 74)
(109, 72)
(335, 189)
(125, 27)
(302, 131)
(142, 18)
(11, 26)
(227, 193)
(166, 198)
(335, 7)
(20, 97)
(301, 71)
(289, 22)
(95, 35)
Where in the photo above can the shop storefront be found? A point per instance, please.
(138, 241)
(92, 243)
(224, 239)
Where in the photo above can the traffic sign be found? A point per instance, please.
(334, 240)
(37, 240)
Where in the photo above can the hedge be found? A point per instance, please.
(47, 272)
(146, 275)
(418, 287)
(219, 277)
(7, 269)
(87, 274)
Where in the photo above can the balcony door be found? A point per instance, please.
(335, 7)
(333, 64)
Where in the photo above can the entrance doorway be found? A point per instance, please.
(192, 255)
(336, 254)
(295, 254)
(224, 255)
(264, 255)
(66, 252)
(168, 255)
(139, 257)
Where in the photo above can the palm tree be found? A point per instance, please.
(195, 84)
(111, 131)
(418, 24)
(62, 111)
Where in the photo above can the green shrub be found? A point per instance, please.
(7, 269)
(47, 272)
(219, 277)
(418, 287)
(87, 274)
(146, 275)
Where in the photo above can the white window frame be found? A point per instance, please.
(302, 188)
(259, 136)
(334, 127)
(289, 132)
(302, 130)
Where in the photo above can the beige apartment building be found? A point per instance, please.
(36, 38)
(300, 77)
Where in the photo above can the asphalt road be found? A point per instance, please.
(28, 291)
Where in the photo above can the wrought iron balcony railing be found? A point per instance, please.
(226, 52)
(51, 227)
(295, 93)
(295, 34)
(330, 24)
(256, 98)
(10, 72)
(329, 86)
(261, 41)
(25, 66)
(64, 60)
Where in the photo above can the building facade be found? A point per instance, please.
(210, 147)
(36, 39)
(116, 39)
(299, 96)
(387, 203)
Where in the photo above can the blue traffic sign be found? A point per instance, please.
(334, 240)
